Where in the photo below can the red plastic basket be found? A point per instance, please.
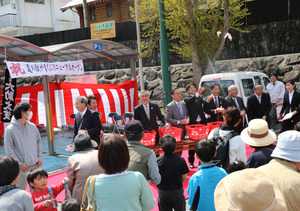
(149, 138)
(213, 125)
(176, 132)
(197, 132)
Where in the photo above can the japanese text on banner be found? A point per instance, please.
(27, 69)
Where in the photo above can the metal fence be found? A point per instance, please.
(8, 20)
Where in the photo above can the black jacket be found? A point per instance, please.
(194, 106)
(210, 108)
(89, 122)
(258, 110)
(140, 114)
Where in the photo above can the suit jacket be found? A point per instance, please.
(80, 167)
(89, 122)
(173, 114)
(228, 101)
(140, 114)
(258, 110)
(210, 108)
(194, 106)
(294, 106)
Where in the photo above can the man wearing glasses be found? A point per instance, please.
(147, 113)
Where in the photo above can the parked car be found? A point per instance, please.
(243, 80)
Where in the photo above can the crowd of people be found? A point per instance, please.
(226, 179)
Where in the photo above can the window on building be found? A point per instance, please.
(4, 2)
(92, 13)
(128, 9)
(109, 10)
(36, 1)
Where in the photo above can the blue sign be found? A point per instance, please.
(98, 46)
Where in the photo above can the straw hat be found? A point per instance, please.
(248, 190)
(288, 146)
(257, 134)
(83, 141)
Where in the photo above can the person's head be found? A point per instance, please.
(236, 165)
(232, 116)
(168, 143)
(290, 86)
(233, 90)
(273, 77)
(248, 190)
(191, 89)
(176, 94)
(288, 147)
(297, 127)
(258, 89)
(92, 103)
(144, 97)
(215, 89)
(9, 169)
(80, 103)
(134, 130)
(22, 110)
(71, 205)
(83, 141)
(38, 179)
(257, 134)
(113, 154)
(205, 150)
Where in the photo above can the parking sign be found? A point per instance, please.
(98, 46)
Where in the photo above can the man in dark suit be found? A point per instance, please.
(233, 100)
(259, 104)
(194, 105)
(86, 121)
(176, 112)
(213, 105)
(147, 113)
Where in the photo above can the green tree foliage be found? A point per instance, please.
(192, 27)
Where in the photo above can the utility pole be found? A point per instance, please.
(85, 14)
(138, 35)
(164, 55)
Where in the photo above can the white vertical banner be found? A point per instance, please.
(117, 100)
(125, 100)
(132, 98)
(75, 93)
(106, 105)
(41, 108)
(25, 98)
(88, 92)
(60, 107)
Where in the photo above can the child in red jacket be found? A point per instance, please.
(38, 180)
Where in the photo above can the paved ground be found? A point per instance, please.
(58, 162)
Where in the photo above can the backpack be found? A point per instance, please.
(222, 147)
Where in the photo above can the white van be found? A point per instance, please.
(243, 80)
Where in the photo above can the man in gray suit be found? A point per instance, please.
(176, 112)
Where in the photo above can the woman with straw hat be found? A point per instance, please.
(258, 136)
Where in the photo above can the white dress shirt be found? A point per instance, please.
(276, 91)
(290, 99)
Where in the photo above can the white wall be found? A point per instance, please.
(42, 18)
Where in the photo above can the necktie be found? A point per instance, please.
(180, 109)
(218, 114)
(237, 104)
(81, 115)
(147, 112)
(259, 99)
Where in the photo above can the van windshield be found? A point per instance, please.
(224, 84)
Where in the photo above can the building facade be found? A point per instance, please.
(27, 17)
